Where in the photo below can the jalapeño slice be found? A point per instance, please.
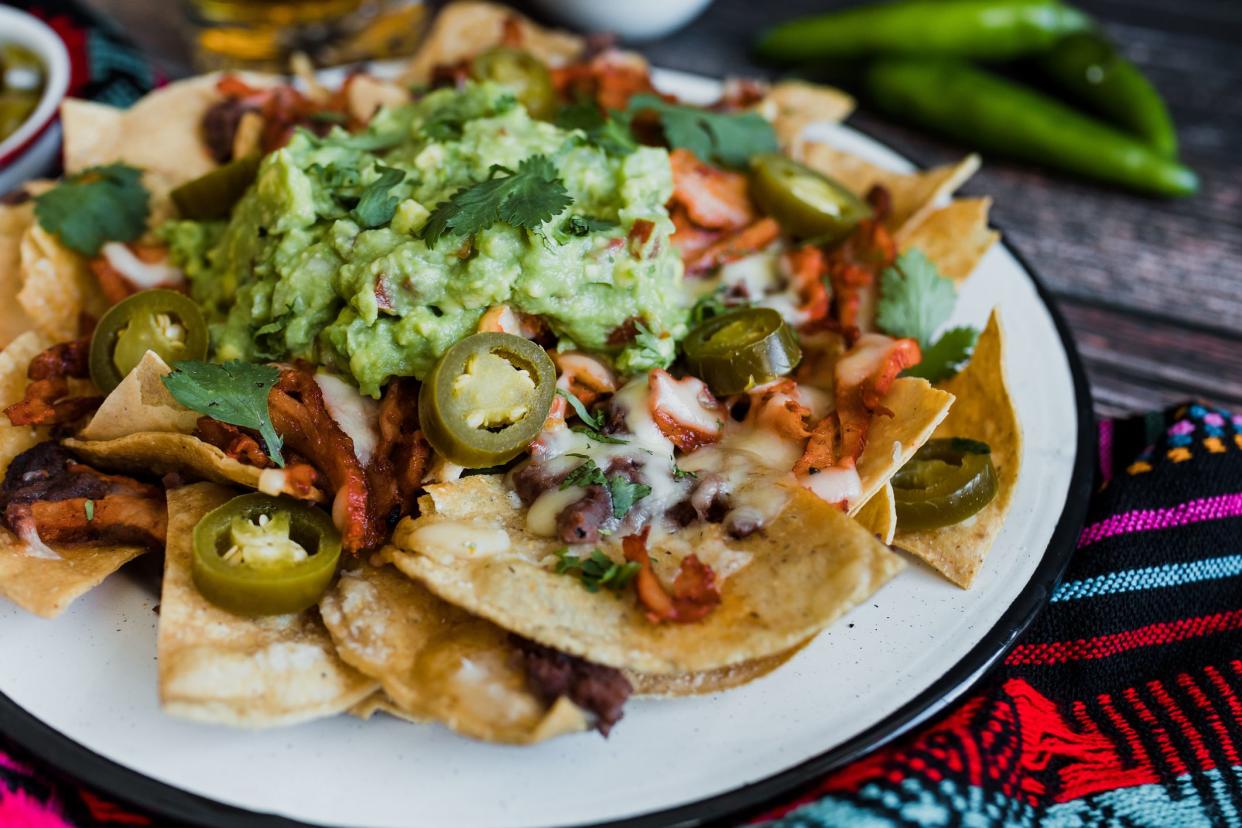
(805, 202)
(740, 349)
(523, 74)
(159, 320)
(947, 481)
(486, 399)
(262, 555)
(212, 195)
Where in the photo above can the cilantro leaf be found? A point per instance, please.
(90, 510)
(625, 493)
(97, 205)
(725, 138)
(915, 299)
(596, 571)
(376, 206)
(592, 424)
(587, 474)
(681, 474)
(585, 225)
(611, 133)
(525, 198)
(231, 392)
(946, 356)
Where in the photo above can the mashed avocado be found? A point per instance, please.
(294, 273)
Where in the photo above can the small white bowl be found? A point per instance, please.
(632, 20)
(32, 149)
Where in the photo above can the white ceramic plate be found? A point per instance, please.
(81, 691)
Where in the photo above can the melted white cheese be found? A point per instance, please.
(448, 537)
(358, 416)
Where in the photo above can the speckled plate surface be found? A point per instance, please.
(81, 691)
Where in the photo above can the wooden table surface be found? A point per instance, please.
(1152, 289)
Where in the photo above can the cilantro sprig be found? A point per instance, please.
(592, 424)
(231, 392)
(97, 205)
(526, 197)
(915, 301)
(608, 131)
(622, 492)
(597, 570)
(723, 137)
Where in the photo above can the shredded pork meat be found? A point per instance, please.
(46, 492)
(47, 400)
(599, 690)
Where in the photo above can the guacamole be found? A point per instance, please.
(296, 273)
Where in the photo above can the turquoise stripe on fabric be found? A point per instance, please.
(920, 802)
(1151, 577)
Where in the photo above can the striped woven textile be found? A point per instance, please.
(1120, 705)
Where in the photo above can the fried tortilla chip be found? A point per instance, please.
(57, 287)
(806, 569)
(676, 685)
(917, 409)
(160, 134)
(15, 220)
(463, 29)
(914, 195)
(955, 237)
(436, 662)
(140, 403)
(983, 411)
(14, 361)
(793, 105)
(879, 514)
(379, 703)
(46, 586)
(222, 668)
(154, 452)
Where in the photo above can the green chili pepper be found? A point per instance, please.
(947, 481)
(805, 202)
(159, 320)
(486, 399)
(212, 195)
(261, 555)
(988, 29)
(996, 115)
(738, 350)
(1090, 71)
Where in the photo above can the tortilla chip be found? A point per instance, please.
(805, 570)
(57, 287)
(879, 514)
(15, 220)
(955, 237)
(14, 361)
(141, 403)
(222, 668)
(462, 30)
(914, 195)
(676, 685)
(436, 662)
(47, 587)
(160, 134)
(983, 411)
(794, 105)
(917, 409)
(379, 703)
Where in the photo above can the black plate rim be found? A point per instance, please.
(172, 803)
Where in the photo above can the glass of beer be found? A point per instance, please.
(264, 34)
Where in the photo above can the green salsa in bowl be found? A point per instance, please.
(34, 75)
